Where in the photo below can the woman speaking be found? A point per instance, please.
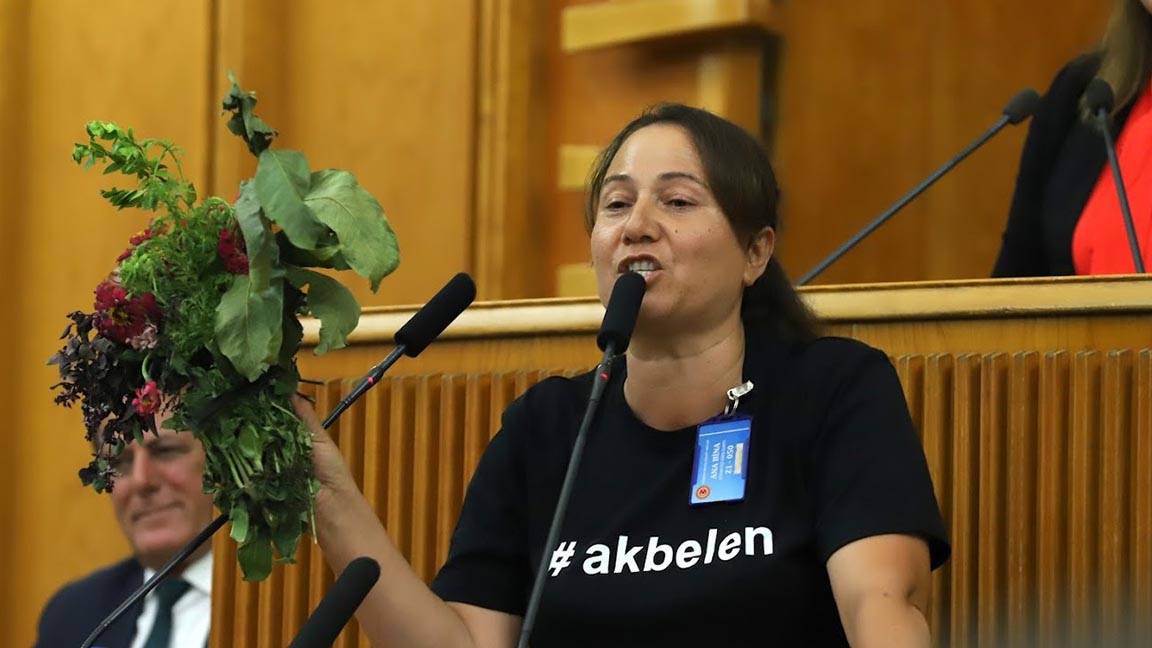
(746, 482)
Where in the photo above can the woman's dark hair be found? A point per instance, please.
(744, 185)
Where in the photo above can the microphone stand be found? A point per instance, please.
(1125, 209)
(367, 382)
(904, 200)
(600, 381)
(179, 558)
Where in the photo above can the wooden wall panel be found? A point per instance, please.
(1040, 522)
(387, 90)
(1141, 591)
(874, 99)
(139, 64)
(511, 155)
(14, 83)
(862, 104)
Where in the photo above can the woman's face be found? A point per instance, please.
(1147, 5)
(656, 215)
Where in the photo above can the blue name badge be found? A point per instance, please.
(720, 469)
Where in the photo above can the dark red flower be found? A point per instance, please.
(109, 295)
(135, 241)
(230, 247)
(148, 399)
(140, 237)
(120, 317)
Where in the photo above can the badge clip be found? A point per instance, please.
(734, 396)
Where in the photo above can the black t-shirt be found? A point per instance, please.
(833, 458)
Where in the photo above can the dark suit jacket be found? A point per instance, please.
(1062, 160)
(73, 612)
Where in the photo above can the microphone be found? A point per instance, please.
(338, 605)
(1098, 98)
(621, 313)
(416, 334)
(412, 338)
(615, 334)
(1019, 108)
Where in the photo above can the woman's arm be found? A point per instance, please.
(400, 611)
(881, 585)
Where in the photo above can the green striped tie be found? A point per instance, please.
(167, 593)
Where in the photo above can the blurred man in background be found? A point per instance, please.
(160, 505)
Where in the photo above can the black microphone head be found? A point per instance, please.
(431, 320)
(339, 604)
(1021, 106)
(1099, 96)
(623, 309)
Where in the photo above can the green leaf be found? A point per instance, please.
(286, 536)
(332, 303)
(366, 239)
(255, 559)
(263, 253)
(324, 256)
(286, 382)
(281, 183)
(239, 518)
(248, 325)
(293, 330)
(250, 442)
(143, 160)
(244, 122)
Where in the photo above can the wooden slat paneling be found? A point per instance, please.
(936, 433)
(1020, 491)
(450, 457)
(991, 482)
(1141, 488)
(964, 513)
(1115, 431)
(1083, 539)
(224, 589)
(1040, 461)
(1052, 500)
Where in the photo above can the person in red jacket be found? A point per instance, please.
(1065, 217)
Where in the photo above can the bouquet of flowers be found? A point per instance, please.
(199, 318)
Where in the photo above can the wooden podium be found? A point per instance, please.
(1033, 399)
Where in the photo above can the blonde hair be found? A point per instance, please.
(1127, 47)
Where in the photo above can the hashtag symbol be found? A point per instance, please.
(562, 557)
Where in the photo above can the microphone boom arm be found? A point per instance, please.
(904, 200)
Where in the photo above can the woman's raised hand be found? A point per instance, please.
(327, 462)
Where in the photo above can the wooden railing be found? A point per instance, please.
(1033, 399)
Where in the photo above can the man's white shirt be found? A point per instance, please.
(191, 615)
